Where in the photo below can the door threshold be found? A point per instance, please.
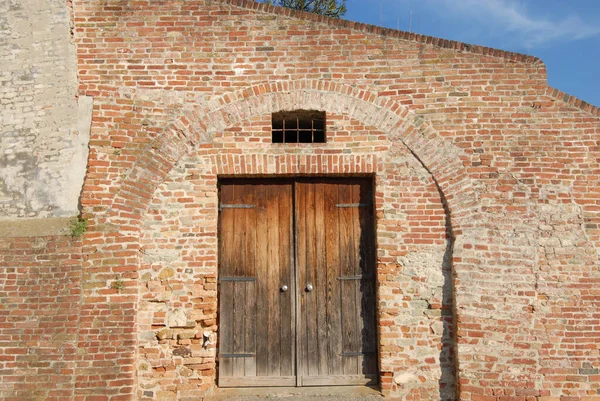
(291, 393)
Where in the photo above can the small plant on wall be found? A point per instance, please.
(78, 227)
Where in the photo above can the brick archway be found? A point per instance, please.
(440, 158)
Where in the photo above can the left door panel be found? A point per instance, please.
(256, 284)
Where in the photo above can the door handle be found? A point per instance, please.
(309, 288)
(284, 288)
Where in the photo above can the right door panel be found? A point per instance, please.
(337, 339)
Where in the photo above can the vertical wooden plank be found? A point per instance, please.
(262, 274)
(359, 270)
(321, 279)
(334, 324)
(311, 297)
(287, 336)
(250, 264)
(273, 338)
(226, 228)
(348, 286)
(292, 282)
(239, 293)
(300, 232)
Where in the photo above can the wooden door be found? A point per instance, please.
(296, 275)
(257, 313)
(337, 340)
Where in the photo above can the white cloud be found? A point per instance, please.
(513, 17)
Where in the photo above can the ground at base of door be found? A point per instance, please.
(297, 394)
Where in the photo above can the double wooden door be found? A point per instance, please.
(296, 283)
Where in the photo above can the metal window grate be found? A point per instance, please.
(299, 126)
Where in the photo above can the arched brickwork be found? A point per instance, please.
(179, 235)
(440, 158)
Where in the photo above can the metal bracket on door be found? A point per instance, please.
(358, 277)
(238, 206)
(353, 205)
(237, 279)
(236, 355)
(358, 353)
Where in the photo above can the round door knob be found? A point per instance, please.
(284, 288)
(309, 288)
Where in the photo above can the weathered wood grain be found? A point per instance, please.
(297, 233)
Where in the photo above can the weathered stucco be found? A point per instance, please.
(43, 152)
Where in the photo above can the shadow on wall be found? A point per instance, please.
(448, 379)
(367, 283)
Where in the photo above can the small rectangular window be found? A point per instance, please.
(298, 126)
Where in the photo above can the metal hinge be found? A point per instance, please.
(237, 278)
(234, 206)
(358, 353)
(353, 205)
(358, 277)
(236, 355)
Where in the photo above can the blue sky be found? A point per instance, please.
(565, 34)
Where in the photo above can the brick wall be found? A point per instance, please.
(506, 166)
(487, 200)
(40, 289)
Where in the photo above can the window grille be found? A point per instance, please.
(299, 126)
